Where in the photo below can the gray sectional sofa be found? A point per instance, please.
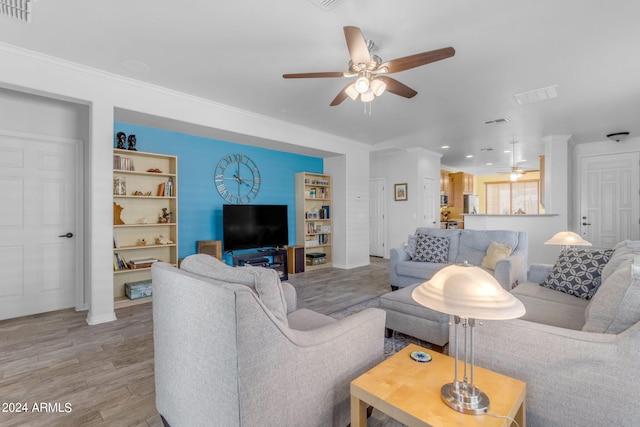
(463, 245)
(232, 349)
(579, 357)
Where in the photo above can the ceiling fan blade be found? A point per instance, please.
(417, 60)
(358, 50)
(341, 96)
(313, 75)
(397, 88)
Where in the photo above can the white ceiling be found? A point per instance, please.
(235, 52)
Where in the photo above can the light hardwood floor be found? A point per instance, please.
(102, 375)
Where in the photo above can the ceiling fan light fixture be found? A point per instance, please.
(352, 92)
(513, 176)
(362, 84)
(378, 87)
(367, 96)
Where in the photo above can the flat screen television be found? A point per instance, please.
(254, 226)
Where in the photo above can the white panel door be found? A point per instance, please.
(376, 217)
(38, 179)
(609, 198)
(430, 202)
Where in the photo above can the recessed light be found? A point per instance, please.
(444, 146)
(507, 151)
(489, 164)
(469, 156)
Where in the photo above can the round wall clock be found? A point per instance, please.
(237, 179)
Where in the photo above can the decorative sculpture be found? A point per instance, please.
(132, 143)
(122, 138)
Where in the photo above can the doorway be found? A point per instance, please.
(40, 224)
(609, 198)
(377, 225)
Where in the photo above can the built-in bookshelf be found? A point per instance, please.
(313, 218)
(145, 217)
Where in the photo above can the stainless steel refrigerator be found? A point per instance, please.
(471, 204)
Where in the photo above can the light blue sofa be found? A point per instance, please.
(408, 317)
(464, 245)
(232, 349)
(578, 357)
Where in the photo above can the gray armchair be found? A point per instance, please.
(223, 358)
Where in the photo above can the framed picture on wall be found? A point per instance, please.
(400, 192)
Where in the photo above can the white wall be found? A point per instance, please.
(27, 71)
(410, 166)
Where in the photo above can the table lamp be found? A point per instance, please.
(567, 239)
(467, 293)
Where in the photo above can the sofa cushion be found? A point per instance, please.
(418, 270)
(614, 308)
(623, 254)
(264, 281)
(432, 249)
(474, 243)
(495, 252)
(412, 239)
(578, 272)
(550, 307)
(267, 284)
(452, 234)
(211, 267)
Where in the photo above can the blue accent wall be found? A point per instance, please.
(199, 203)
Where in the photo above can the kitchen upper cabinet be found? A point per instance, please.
(460, 183)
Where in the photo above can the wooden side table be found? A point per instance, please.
(409, 391)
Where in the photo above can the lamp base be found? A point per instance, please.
(463, 399)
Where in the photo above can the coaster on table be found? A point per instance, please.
(420, 356)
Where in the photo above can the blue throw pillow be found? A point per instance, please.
(578, 272)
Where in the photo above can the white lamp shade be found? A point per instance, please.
(567, 238)
(352, 92)
(468, 292)
(367, 96)
(362, 84)
(378, 87)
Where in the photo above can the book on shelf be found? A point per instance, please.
(161, 189)
(142, 261)
(119, 263)
(122, 163)
(115, 240)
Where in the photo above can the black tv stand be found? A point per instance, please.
(274, 258)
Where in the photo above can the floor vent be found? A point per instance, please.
(17, 9)
(326, 4)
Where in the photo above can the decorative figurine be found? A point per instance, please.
(122, 138)
(132, 143)
(142, 242)
(162, 240)
(166, 216)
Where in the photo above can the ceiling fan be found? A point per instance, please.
(368, 70)
(516, 171)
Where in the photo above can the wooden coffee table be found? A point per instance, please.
(409, 391)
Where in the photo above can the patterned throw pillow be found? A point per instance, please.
(577, 272)
(411, 245)
(432, 249)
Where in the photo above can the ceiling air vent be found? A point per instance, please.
(496, 121)
(17, 9)
(326, 4)
(537, 95)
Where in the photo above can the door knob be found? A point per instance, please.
(586, 223)
(68, 235)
